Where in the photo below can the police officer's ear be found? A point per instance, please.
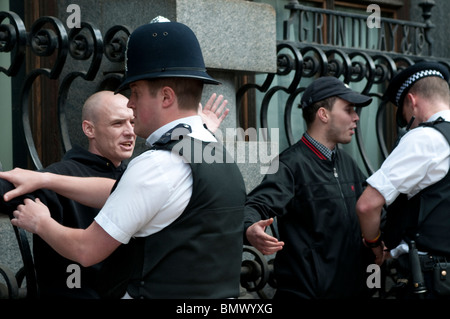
(88, 128)
(168, 96)
(410, 99)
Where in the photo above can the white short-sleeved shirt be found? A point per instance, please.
(421, 159)
(153, 191)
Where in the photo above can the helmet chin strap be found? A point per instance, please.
(410, 123)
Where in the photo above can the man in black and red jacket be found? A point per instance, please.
(313, 193)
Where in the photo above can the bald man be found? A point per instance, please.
(108, 125)
(107, 122)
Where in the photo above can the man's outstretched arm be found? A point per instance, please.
(89, 191)
(85, 246)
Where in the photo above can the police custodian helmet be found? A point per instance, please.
(404, 80)
(161, 50)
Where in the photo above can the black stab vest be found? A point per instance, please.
(199, 255)
(425, 217)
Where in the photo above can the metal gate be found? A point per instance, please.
(318, 42)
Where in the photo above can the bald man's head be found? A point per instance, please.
(108, 124)
(95, 104)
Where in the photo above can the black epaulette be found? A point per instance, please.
(174, 134)
(432, 123)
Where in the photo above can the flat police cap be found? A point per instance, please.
(404, 80)
(164, 49)
(328, 86)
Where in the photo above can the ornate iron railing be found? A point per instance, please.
(300, 59)
(319, 48)
(49, 37)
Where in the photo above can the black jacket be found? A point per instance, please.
(51, 268)
(314, 200)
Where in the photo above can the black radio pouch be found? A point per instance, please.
(441, 277)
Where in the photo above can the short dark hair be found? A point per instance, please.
(188, 90)
(430, 87)
(309, 113)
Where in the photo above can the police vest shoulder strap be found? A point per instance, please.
(441, 125)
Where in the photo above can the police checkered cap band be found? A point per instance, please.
(413, 78)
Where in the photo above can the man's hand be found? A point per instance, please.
(266, 244)
(29, 215)
(380, 253)
(86, 246)
(213, 114)
(24, 181)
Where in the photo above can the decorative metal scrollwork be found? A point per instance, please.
(316, 53)
(301, 61)
(85, 43)
(255, 270)
(48, 37)
(12, 39)
(9, 290)
(12, 289)
(44, 42)
(116, 42)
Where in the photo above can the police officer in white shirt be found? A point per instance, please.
(182, 231)
(413, 178)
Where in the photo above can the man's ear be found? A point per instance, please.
(411, 98)
(322, 114)
(168, 95)
(88, 128)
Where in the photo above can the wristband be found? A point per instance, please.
(374, 243)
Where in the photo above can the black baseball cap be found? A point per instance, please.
(328, 86)
(404, 80)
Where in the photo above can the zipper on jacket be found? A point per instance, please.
(336, 175)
